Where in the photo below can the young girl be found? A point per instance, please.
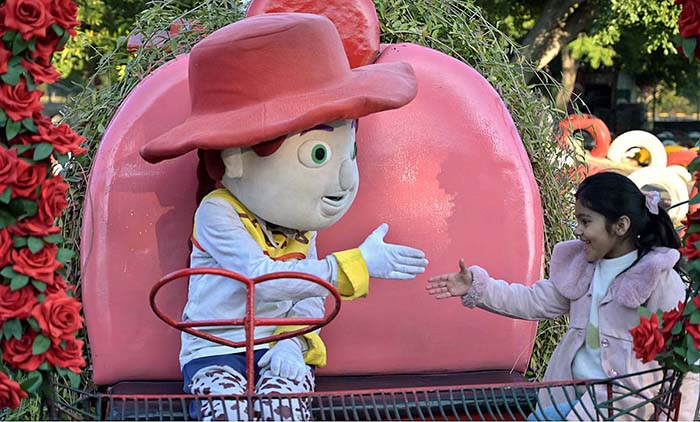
(625, 257)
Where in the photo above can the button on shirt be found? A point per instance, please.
(587, 362)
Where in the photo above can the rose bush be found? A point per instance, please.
(39, 314)
(689, 28)
(672, 337)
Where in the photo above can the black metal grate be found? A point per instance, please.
(610, 400)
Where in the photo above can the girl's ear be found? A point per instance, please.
(622, 225)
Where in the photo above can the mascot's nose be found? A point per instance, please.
(347, 175)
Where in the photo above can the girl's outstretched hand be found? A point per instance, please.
(452, 284)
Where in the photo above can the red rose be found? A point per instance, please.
(18, 353)
(59, 285)
(67, 354)
(10, 392)
(670, 318)
(45, 48)
(29, 178)
(59, 316)
(5, 55)
(65, 13)
(63, 138)
(16, 304)
(5, 248)
(42, 74)
(692, 218)
(52, 197)
(694, 331)
(38, 225)
(39, 266)
(18, 102)
(8, 171)
(647, 340)
(689, 19)
(689, 250)
(30, 18)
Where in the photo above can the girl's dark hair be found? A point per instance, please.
(614, 195)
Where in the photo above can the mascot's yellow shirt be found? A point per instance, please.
(352, 277)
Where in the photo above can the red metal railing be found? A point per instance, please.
(249, 321)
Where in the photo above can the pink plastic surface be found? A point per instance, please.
(447, 172)
(137, 221)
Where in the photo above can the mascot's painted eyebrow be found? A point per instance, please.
(318, 127)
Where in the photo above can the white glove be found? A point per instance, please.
(386, 260)
(285, 360)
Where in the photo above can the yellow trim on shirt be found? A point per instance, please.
(353, 278)
(316, 354)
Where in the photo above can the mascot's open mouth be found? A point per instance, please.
(331, 205)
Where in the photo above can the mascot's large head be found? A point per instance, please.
(274, 110)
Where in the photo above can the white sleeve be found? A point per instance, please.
(222, 235)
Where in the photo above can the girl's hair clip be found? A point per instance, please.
(652, 201)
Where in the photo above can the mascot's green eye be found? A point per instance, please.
(314, 153)
(354, 151)
(319, 154)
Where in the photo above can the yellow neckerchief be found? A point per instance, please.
(279, 248)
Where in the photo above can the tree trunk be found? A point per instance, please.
(560, 23)
(569, 68)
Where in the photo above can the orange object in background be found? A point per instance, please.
(593, 126)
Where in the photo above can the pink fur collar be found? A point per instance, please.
(572, 274)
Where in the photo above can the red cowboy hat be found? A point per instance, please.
(275, 74)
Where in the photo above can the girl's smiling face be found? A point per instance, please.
(601, 241)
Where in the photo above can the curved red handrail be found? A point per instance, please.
(248, 321)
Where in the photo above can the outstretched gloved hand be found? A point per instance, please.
(386, 260)
(285, 360)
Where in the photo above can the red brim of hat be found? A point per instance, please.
(369, 89)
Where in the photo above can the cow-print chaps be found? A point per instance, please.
(221, 380)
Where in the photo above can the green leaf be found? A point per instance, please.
(23, 208)
(689, 45)
(31, 86)
(58, 29)
(32, 45)
(32, 323)
(8, 272)
(35, 244)
(677, 328)
(642, 311)
(40, 345)
(64, 255)
(19, 45)
(694, 200)
(3, 117)
(42, 151)
(9, 36)
(41, 298)
(74, 379)
(12, 128)
(19, 241)
(33, 382)
(61, 158)
(19, 281)
(53, 238)
(45, 366)
(13, 328)
(28, 123)
(694, 165)
(6, 219)
(6, 195)
(39, 285)
(695, 318)
(22, 148)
